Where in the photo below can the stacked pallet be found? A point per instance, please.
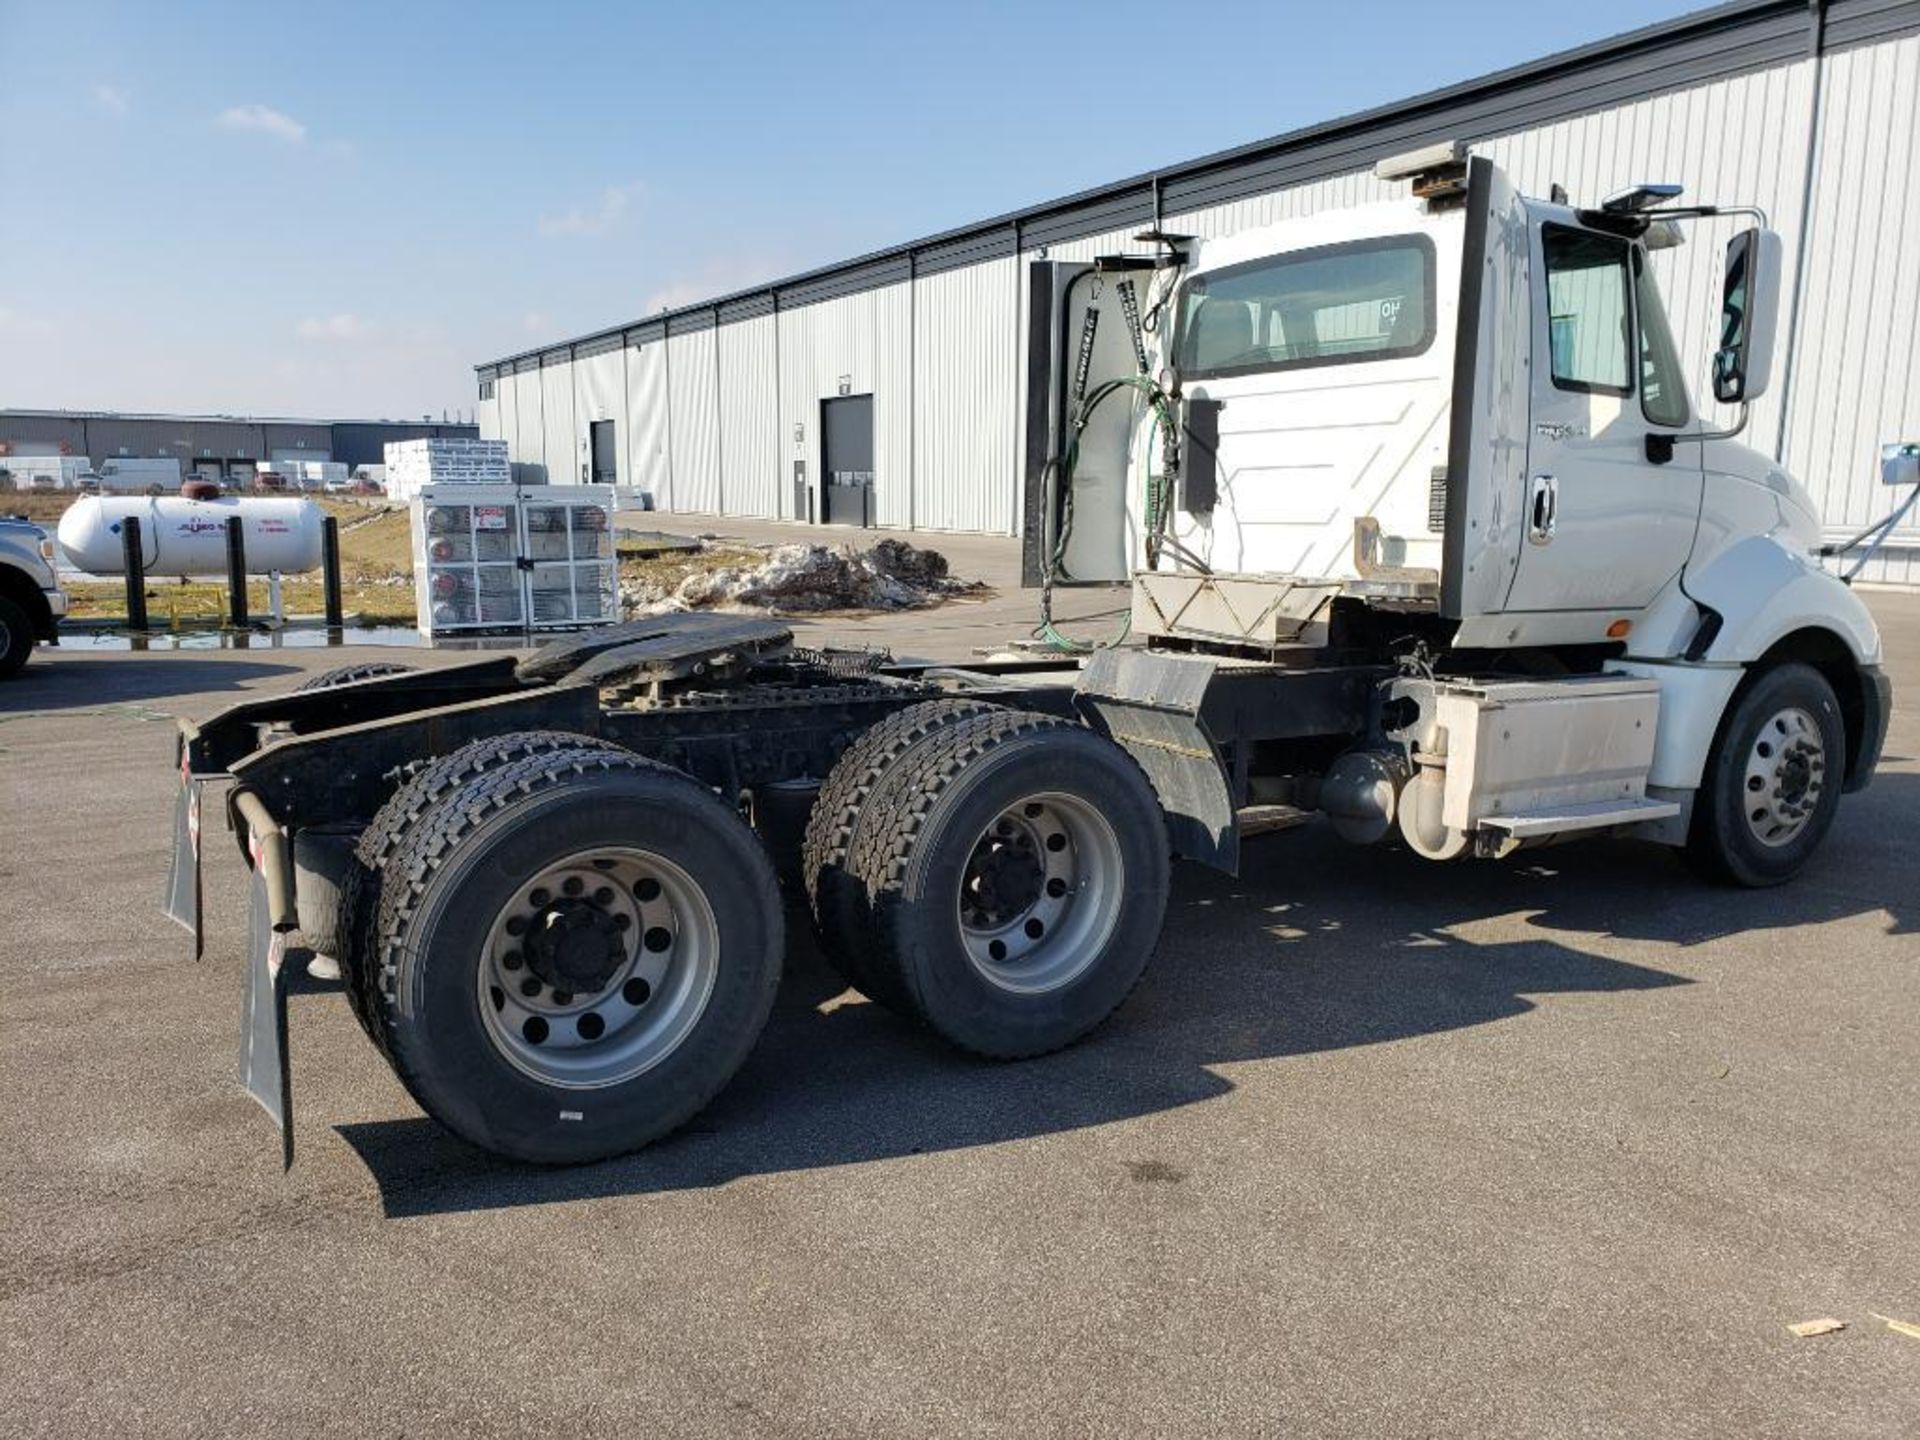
(412, 464)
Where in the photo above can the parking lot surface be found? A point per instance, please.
(1554, 1146)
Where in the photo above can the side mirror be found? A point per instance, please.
(1749, 314)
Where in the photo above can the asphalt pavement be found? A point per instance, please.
(1553, 1146)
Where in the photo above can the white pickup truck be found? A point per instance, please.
(31, 600)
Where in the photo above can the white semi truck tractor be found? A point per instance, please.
(1426, 541)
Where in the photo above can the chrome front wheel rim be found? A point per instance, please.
(598, 967)
(1040, 893)
(1785, 776)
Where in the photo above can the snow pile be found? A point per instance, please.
(890, 575)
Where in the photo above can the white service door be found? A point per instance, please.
(1604, 528)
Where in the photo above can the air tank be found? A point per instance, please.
(189, 537)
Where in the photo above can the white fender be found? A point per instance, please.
(1764, 592)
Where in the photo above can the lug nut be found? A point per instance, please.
(572, 885)
(539, 898)
(603, 897)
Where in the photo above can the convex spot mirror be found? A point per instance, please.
(1749, 314)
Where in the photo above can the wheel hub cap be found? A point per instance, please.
(575, 946)
(1040, 893)
(1785, 776)
(598, 967)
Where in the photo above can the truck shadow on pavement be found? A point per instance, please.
(87, 682)
(1316, 947)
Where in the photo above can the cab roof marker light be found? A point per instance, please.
(1641, 198)
(1413, 162)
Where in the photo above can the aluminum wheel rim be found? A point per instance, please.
(1786, 775)
(1040, 893)
(658, 945)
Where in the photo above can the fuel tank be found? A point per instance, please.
(189, 537)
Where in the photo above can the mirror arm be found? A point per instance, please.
(1708, 212)
(1702, 435)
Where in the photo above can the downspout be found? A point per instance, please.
(1816, 53)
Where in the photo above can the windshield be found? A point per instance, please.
(1336, 304)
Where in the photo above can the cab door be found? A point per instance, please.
(1604, 528)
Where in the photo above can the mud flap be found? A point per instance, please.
(263, 1016)
(183, 873)
(1149, 705)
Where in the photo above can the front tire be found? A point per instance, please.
(614, 1034)
(1772, 784)
(16, 638)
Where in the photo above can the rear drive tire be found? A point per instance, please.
(357, 922)
(1772, 783)
(1018, 868)
(16, 638)
(578, 950)
(842, 916)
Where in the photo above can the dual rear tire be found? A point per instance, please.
(566, 950)
(1003, 881)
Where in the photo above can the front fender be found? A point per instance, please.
(1764, 592)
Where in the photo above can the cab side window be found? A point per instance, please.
(1663, 394)
(1589, 311)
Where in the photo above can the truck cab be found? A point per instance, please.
(1465, 410)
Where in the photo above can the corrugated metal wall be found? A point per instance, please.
(560, 444)
(750, 418)
(942, 351)
(1855, 381)
(529, 445)
(600, 393)
(693, 408)
(862, 341)
(648, 464)
(966, 349)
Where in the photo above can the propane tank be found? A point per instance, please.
(189, 537)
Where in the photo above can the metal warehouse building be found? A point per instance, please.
(224, 445)
(890, 388)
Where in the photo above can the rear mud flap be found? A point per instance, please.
(1149, 705)
(263, 1016)
(183, 873)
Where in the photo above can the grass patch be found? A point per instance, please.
(666, 571)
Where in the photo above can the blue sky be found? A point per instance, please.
(337, 209)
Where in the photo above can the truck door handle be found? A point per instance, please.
(1540, 515)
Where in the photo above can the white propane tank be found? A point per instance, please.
(189, 537)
